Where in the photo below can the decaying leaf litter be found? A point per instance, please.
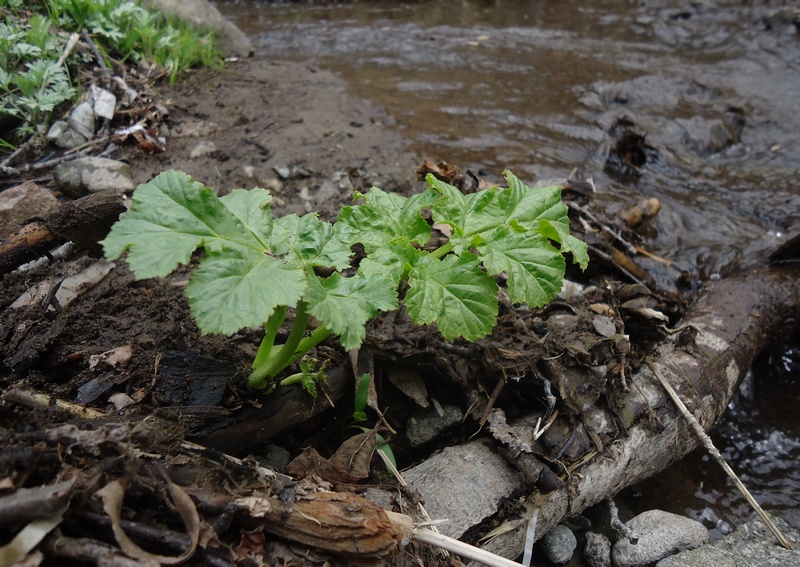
(154, 387)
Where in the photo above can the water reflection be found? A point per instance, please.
(760, 438)
(534, 87)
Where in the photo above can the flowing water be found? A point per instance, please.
(536, 87)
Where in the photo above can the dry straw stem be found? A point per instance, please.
(427, 533)
(709, 445)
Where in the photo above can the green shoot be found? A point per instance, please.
(362, 396)
(308, 376)
(360, 415)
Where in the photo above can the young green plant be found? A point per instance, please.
(256, 267)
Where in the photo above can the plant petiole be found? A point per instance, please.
(270, 332)
(272, 359)
(443, 250)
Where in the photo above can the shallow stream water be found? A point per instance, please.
(535, 87)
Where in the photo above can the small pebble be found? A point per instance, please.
(559, 544)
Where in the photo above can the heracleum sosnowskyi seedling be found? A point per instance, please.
(257, 267)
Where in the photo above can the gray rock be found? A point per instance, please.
(571, 291)
(62, 135)
(82, 120)
(21, 203)
(750, 545)
(604, 325)
(661, 534)
(598, 550)
(105, 103)
(275, 457)
(464, 484)
(559, 544)
(82, 176)
(427, 426)
(707, 136)
(283, 171)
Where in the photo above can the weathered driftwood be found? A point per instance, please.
(732, 322)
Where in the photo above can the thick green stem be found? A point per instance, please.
(445, 248)
(280, 357)
(270, 332)
(317, 336)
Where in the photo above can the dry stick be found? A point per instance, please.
(424, 535)
(630, 248)
(97, 55)
(71, 43)
(32, 399)
(709, 445)
(617, 524)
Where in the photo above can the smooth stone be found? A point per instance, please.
(82, 120)
(463, 484)
(22, 203)
(559, 544)
(82, 176)
(661, 534)
(750, 545)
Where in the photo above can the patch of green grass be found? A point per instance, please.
(131, 32)
(33, 37)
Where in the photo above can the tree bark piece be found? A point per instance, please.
(284, 409)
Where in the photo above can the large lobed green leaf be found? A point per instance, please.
(310, 242)
(455, 293)
(510, 229)
(535, 269)
(254, 263)
(385, 217)
(240, 281)
(346, 304)
(236, 289)
(171, 216)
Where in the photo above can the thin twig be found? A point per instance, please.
(74, 153)
(630, 248)
(714, 452)
(71, 43)
(498, 388)
(32, 399)
(97, 55)
(617, 524)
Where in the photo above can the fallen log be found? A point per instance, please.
(732, 322)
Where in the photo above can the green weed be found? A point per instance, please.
(33, 80)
